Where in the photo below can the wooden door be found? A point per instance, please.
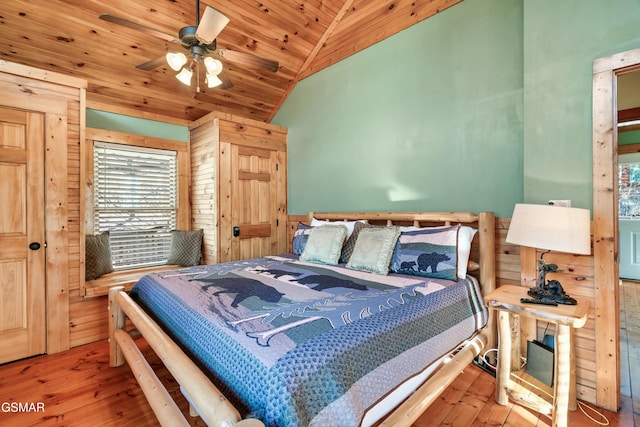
(22, 252)
(629, 230)
(252, 200)
(256, 220)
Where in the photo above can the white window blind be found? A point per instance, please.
(135, 199)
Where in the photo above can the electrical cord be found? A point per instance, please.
(582, 407)
(483, 357)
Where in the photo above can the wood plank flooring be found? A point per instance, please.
(78, 388)
(630, 345)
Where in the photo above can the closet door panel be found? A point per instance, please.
(22, 231)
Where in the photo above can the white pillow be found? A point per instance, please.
(465, 236)
(349, 224)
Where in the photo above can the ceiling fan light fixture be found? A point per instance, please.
(185, 76)
(199, 41)
(176, 60)
(214, 67)
(213, 81)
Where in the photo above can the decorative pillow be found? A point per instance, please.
(465, 237)
(97, 256)
(300, 238)
(373, 249)
(324, 244)
(349, 224)
(427, 252)
(347, 248)
(186, 248)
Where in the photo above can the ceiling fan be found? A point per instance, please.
(200, 42)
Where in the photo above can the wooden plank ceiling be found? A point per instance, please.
(304, 36)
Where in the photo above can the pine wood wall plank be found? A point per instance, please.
(605, 251)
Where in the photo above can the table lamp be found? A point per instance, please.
(550, 228)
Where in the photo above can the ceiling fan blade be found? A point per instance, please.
(126, 23)
(152, 63)
(211, 24)
(249, 60)
(226, 82)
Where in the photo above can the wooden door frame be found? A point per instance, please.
(605, 223)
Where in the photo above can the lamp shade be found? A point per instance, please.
(550, 227)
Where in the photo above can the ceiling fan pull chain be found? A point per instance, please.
(197, 65)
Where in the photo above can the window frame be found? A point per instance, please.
(148, 163)
(183, 219)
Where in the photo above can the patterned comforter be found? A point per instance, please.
(297, 344)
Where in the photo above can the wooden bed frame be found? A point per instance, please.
(210, 404)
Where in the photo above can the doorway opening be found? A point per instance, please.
(629, 215)
(628, 132)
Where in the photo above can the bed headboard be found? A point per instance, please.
(483, 246)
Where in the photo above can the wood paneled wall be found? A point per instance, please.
(517, 265)
(205, 145)
(75, 218)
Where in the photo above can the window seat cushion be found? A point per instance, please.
(127, 278)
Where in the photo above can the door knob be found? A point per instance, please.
(236, 231)
(34, 246)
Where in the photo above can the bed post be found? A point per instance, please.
(486, 229)
(116, 321)
(213, 407)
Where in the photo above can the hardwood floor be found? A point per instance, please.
(78, 388)
(630, 345)
(469, 401)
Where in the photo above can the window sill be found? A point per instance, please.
(128, 278)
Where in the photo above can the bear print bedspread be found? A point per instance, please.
(297, 344)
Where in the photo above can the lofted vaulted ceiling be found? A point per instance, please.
(304, 36)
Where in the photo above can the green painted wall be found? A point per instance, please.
(498, 91)
(561, 40)
(429, 119)
(117, 122)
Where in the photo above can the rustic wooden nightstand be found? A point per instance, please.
(518, 385)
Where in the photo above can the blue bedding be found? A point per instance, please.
(297, 344)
